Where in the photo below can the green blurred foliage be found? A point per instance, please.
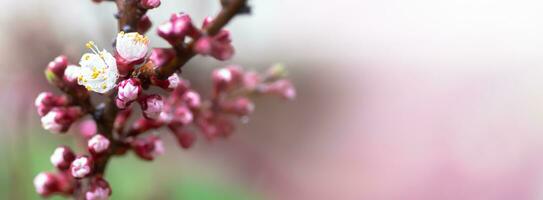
(130, 177)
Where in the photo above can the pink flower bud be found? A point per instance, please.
(99, 190)
(144, 24)
(142, 125)
(173, 81)
(128, 91)
(98, 144)
(204, 46)
(58, 120)
(46, 184)
(46, 101)
(225, 78)
(58, 66)
(241, 106)
(215, 48)
(177, 28)
(81, 167)
(213, 126)
(62, 157)
(161, 56)
(207, 22)
(152, 106)
(184, 137)
(251, 80)
(282, 88)
(149, 4)
(87, 128)
(192, 99)
(218, 46)
(222, 76)
(148, 148)
(182, 115)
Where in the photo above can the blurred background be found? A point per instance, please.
(397, 100)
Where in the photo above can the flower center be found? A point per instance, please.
(136, 37)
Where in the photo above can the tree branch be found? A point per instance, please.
(129, 14)
(184, 55)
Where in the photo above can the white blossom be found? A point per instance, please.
(132, 46)
(98, 70)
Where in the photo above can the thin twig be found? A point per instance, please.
(227, 13)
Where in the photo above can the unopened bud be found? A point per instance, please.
(148, 148)
(225, 78)
(218, 46)
(182, 115)
(98, 144)
(241, 106)
(213, 126)
(282, 88)
(46, 184)
(152, 106)
(141, 125)
(251, 80)
(129, 90)
(58, 66)
(192, 99)
(87, 128)
(47, 100)
(149, 4)
(185, 138)
(81, 167)
(99, 190)
(59, 119)
(177, 28)
(173, 81)
(62, 157)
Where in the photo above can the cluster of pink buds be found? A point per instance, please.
(125, 78)
(71, 168)
(180, 27)
(57, 115)
(184, 112)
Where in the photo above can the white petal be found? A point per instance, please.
(98, 73)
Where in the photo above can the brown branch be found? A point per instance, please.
(129, 14)
(184, 55)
